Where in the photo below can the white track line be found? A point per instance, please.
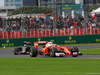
(93, 73)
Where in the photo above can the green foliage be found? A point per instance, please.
(9, 14)
(93, 7)
(31, 10)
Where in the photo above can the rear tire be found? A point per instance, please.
(53, 51)
(74, 49)
(16, 51)
(33, 52)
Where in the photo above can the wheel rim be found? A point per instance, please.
(51, 53)
(31, 52)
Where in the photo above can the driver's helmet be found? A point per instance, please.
(48, 44)
(25, 45)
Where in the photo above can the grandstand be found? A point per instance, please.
(33, 26)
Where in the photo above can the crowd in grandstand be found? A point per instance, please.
(41, 23)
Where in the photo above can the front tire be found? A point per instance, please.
(74, 51)
(53, 51)
(33, 52)
(16, 51)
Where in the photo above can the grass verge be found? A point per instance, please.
(48, 66)
(90, 51)
(81, 44)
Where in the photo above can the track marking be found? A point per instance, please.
(93, 73)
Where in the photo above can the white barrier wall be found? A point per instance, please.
(3, 14)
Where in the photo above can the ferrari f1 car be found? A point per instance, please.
(25, 49)
(53, 50)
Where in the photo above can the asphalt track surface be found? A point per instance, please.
(8, 53)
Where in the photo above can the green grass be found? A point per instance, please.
(48, 66)
(81, 44)
(90, 51)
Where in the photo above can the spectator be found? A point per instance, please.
(60, 17)
(68, 16)
(27, 22)
(0, 18)
(61, 24)
(0, 22)
(46, 18)
(93, 25)
(75, 18)
(71, 22)
(18, 27)
(8, 20)
(79, 17)
(41, 23)
(58, 24)
(8, 28)
(12, 19)
(4, 23)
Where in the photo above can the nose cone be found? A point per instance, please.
(67, 52)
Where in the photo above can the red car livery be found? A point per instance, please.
(53, 50)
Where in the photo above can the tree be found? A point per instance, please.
(31, 10)
(93, 7)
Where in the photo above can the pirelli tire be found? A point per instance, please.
(52, 52)
(16, 51)
(33, 52)
(74, 49)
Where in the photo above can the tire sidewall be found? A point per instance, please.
(16, 51)
(33, 52)
(74, 49)
(53, 51)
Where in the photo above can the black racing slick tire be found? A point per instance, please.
(33, 52)
(16, 51)
(74, 51)
(53, 51)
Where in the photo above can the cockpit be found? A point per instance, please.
(50, 44)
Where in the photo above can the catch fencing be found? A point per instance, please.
(45, 33)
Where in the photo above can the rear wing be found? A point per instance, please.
(39, 42)
(27, 42)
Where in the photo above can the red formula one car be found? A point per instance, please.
(53, 50)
